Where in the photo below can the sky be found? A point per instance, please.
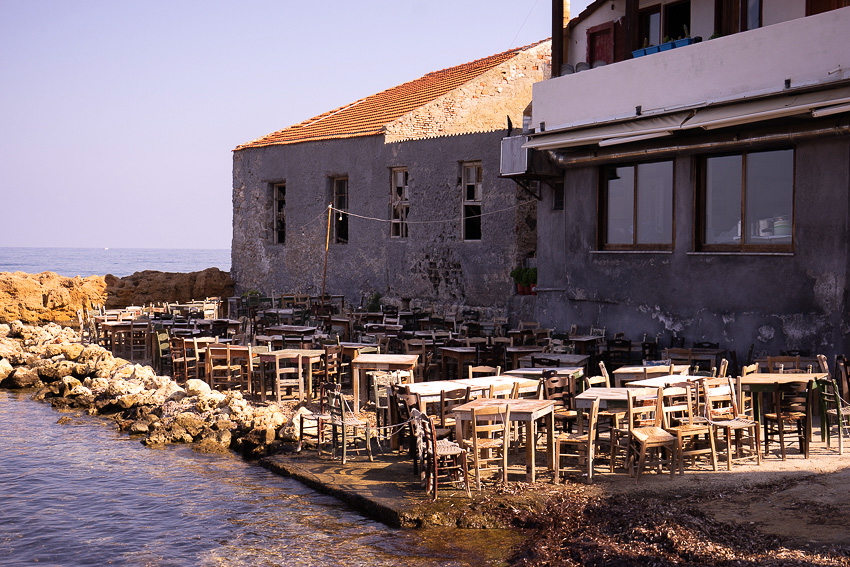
(118, 117)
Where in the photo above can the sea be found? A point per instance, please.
(74, 491)
(119, 262)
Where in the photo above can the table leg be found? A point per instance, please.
(356, 385)
(443, 367)
(309, 377)
(529, 450)
(550, 440)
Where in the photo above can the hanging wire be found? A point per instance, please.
(458, 219)
(513, 41)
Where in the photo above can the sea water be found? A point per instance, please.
(119, 262)
(80, 493)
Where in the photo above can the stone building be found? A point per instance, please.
(419, 210)
(705, 160)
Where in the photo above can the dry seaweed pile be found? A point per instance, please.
(620, 530)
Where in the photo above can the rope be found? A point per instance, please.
(457, 219)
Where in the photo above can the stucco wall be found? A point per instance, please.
(433, 265)
(775, 302)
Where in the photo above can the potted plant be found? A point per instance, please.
(518, 275)
(531, 277)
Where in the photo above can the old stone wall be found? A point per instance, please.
(773, 301)
(481, 105)
(432, 266)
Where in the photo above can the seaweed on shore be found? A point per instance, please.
(577, 529)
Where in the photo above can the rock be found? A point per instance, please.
(22, 378)
(5, 369)
(292, 429)
(195, 387)
(47, 297)
(56, 370)
(191, 422)
(151, 286)
(72, 351)
(143, 425)
(68, 384)
(213, 441)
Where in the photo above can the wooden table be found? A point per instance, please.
(626, 374)
(389, 362)
(710, 355)
(762, 382)
(291, 330)
(610, 397)
(528, 411)
(582, 342)
(461, 355)
(562, 358)
(517, 351)
(661, 381)
(429, 392)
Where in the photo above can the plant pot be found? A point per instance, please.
(651, 49)
(639, 52)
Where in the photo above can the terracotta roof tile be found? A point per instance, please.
(368, 116)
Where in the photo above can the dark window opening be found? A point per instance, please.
(340, 218)
(399, 203)
(471, 186)
(558, 197)
(649, 27)
(279, 213)
(638, 206)
(677, 21)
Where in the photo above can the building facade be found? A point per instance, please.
(706, 183)
(418, 210)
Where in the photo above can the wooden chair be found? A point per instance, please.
(345, 428)
(647, 435)
(832, 407)
(139, 340)
(488, 440)
(783, 364)
(561, 389)
(484, 371)
(322, 417)
(219, 369)
(162, 353)
(442, 459)
(381, 382)
(678, 356)
(184, 360)
(721, 411)
(287, 374)
(680, 407)
(506, 390)
(418, 346)
(243, 357)
(580, 445)
(619, 352)
(449, 399)
(331, 364)
(791, 414)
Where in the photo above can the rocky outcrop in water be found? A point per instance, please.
(68, 374)
(37, 299)
(150, 286)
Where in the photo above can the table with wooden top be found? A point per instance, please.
(661, 381)
(528, 411)
(515, 352)
(614, 398)
(291, 330)
(565, 359)
(583, 342)
(388, 362)
(429, 392)
(626, 374)
(460, 354)
(762, 382)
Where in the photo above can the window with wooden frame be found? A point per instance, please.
(677, 20)
(558, 195)
(637, 206)
(733, 16)
(399, 202)
(819, 6)
(747, 202)
(279, 209)
(649, 26)
(471, 186)
(340, 203)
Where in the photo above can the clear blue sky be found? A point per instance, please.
(118, 117)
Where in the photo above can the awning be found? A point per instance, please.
(633, 130)
(643, 128)
(766, 109)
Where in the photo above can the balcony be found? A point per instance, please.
(781, 58)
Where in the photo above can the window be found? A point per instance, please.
(279, 221)
(733, 16)
(399, 203)
(649, 27)
(677, 20)
(340, 201)
(638, 206)
(558, 196)
(471, 184)
(818, 6)
(748, 201)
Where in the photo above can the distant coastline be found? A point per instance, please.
(119, 262)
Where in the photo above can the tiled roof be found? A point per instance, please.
(368, 116)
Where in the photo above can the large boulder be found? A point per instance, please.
(45, 297)
(151, 286)
(21, 378)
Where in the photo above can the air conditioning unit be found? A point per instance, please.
(514, 159)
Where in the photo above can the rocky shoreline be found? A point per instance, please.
(62, 370)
